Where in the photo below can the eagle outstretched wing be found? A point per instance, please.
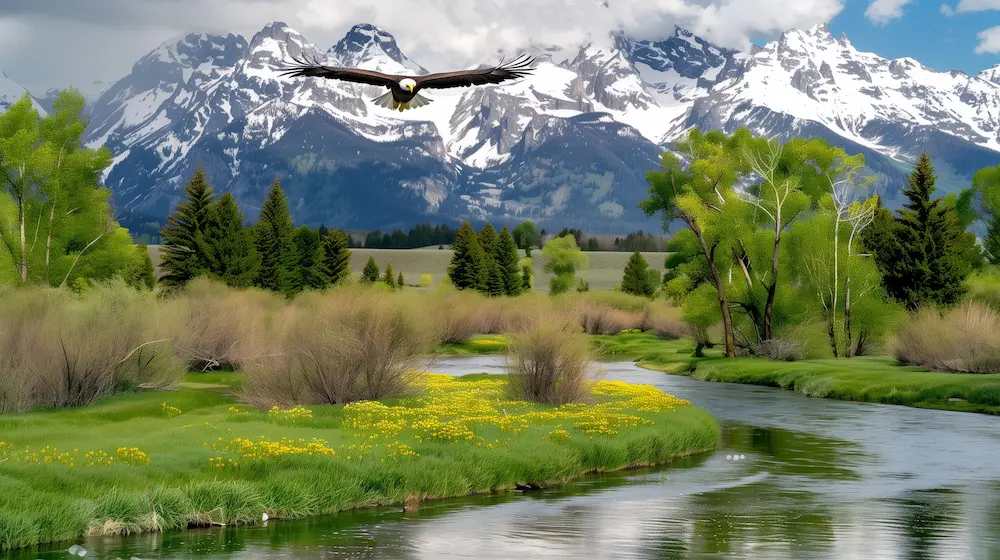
(313, 69)
(464, 78)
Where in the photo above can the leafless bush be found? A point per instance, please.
(457, 315)
(63, 350)
(964, 339)
(551, 361)
(598, 318)
(781, 349)
(340, 346)
(222, 327)
(665, 321)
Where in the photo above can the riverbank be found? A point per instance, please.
(167, 460)
(878, 379)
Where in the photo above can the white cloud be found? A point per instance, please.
(881, 12)
(946, 10)
(966, 6)
(989, 41)
(68, 40)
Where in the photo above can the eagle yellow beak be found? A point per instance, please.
(409, 87)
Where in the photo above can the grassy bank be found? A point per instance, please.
(878, 379)
(158, 461)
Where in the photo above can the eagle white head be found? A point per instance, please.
(408, 84)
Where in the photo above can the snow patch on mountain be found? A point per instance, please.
(11, 92)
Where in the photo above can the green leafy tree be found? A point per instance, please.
(563, 259)
(509, 261)
(525, 236)
(138, 272)
(582, 286)
(183, 249)
(230, 253)
(369, 274)
(337, 255)
(923, 261)
(468, 268)
(636, 280)
(313, 273)
(273, 239)
(982, 202)
(701, 195)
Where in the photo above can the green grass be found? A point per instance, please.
(878, 379)
(45, 502)
(474, 346)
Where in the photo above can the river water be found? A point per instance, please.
(820, 479)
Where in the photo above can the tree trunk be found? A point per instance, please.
(48, 242)
(773, 287)
(24, 250)
(851, 349)
(831, 331)
(713, 270)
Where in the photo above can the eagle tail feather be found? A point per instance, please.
(419, 101)
(384, 100)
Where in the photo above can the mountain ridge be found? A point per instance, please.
(568, 146)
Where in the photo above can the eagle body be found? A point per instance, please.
(404, 91)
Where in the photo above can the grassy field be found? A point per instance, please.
(604, 272)
(166, 460)
(867, 379)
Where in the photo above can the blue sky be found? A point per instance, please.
(922, 31)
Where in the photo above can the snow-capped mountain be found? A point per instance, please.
(567, 146)
(11, 92)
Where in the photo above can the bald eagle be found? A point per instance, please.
(404, 90)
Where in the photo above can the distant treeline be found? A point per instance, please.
(420, 236)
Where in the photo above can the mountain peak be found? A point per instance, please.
(366, 45)
(991, 74)
(192, 49)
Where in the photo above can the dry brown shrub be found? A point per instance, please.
(70, 350)
(551, 360)
(222, 327)
(340, 346)
(664, 320)
(964, 339)
(457, 315)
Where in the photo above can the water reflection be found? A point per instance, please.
(821, 479)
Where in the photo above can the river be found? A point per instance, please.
(814, 479)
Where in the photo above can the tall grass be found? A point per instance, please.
(61, 349)
(340, 346)
(550, 361)
(964, 339)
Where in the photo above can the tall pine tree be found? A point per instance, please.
(468, 268)
(273, 238)
(390, 277)
(313, 273)
(637, 280)
(183, 245)
(509, 261)
(923, 261)
(336, 255)
(230, 251)
(488, 240)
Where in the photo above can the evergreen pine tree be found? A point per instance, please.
(526, 275)
(488, 240)
(400, 283)
(636, 280)
(273, 238)
(467, 270)
(312, 270)
(337, 255)
(370, 273)
(991, 243)
(390, 278)
(925, 261)
(495, 285)
(510, 263)
(183, 244)
(230, 251)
